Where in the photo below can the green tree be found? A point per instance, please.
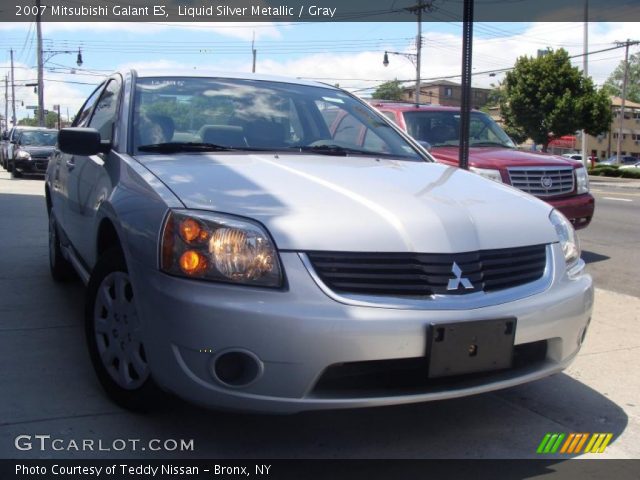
(546, 98)
(389, 91)
(50, 120)
(494, 99)
(613, 85)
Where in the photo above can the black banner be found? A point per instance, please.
(315, 10)
(320, 469)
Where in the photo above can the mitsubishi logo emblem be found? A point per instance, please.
(454, 283)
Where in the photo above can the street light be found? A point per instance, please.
(413, 58)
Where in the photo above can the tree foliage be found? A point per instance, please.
(613, 85)
(50, 120)
(389, 91)
(546, 97)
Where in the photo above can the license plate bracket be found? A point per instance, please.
(459, 348)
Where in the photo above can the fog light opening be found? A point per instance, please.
(236, 368)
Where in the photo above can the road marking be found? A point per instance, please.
(617, 199)
(617, 192)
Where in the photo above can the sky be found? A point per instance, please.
(349, 54)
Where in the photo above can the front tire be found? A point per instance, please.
(14, 173)
(61, 268)
(114, 336)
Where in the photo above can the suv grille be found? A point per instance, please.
(542, 182)
(425, 274)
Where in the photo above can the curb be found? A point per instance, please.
(631, 183)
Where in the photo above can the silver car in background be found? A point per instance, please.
(242, 254)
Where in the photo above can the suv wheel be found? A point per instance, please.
(114, 336)
(61, 268)
(14, 172)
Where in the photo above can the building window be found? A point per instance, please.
(448, 92)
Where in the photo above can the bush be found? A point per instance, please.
(630, 173)
(614, 171)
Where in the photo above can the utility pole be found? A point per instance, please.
(418, 9)
(13, 92)
(6, 102)
(254, 52)
(418, 53)
(585, 72)
(40, 69)
(465, 105)
(624, 94)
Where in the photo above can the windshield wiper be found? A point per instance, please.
(340, 151)
(489, 144)
(172, 147)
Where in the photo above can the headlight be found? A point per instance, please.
(567, 237)
(582, 180)
(23, 155)
(488, 173)
(219, 247)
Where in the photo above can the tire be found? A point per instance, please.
(113, 335)
(11, 170)
(61, 268)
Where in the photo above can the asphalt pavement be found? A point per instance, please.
(47, 386)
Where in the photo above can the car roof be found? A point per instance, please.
(411, 107)
(204, 73)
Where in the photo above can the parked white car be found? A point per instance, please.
(241, 255)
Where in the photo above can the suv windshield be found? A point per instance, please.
(212, 114)
(442, 128)
(38, 138)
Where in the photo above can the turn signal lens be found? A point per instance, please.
(191, 231)
(192, 262)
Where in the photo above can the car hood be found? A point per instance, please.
(318, 202)
(492, 157)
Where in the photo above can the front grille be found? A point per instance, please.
(542, 182)
(425, 274)
(41, 165)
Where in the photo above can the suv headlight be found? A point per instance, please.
(488, 173)
(218, 247)
(567, 237)
(23, 155)
(582, 180)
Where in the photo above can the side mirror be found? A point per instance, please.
(80, 141)
(426, 145)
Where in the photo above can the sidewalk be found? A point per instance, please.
(615, 182)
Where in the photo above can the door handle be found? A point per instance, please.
(71, 164)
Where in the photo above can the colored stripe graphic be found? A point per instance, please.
(598, 442)
(543, 443)
(567, 443)
(551, 442)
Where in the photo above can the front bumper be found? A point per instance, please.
(578, 209)
(34, 165)
(298, 332)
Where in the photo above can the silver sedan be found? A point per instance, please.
(271, 244)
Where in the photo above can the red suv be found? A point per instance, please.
(562, 182)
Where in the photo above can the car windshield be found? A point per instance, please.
(38, 138)
(212, 114)
(442, 128)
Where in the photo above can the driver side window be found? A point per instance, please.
(104, 114)
(82, 118)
